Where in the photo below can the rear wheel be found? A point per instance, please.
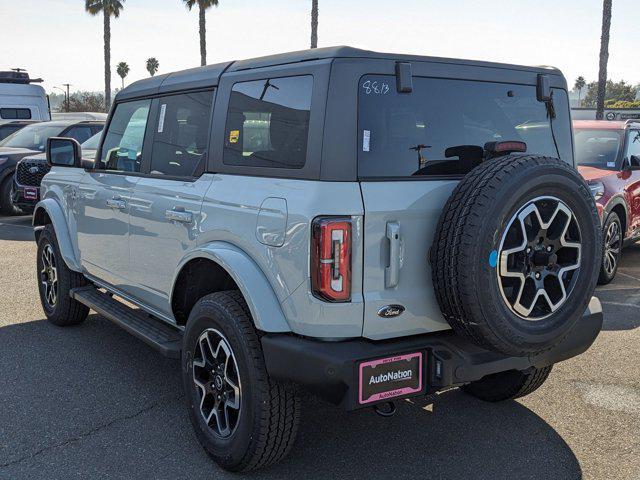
(613, 238)
(508, 385)
(55, 282)
(242, 418)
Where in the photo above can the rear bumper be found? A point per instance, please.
(330, 369)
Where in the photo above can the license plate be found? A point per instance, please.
(390, 377)
(30, 193)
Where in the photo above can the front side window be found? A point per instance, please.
(597, 148)
(181, 134)
(122, 146)
(268, 123)
(442, 126)
(633, 149)
(15, 113)
(81, 133)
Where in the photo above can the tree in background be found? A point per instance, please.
(579, 85)
(123, 70)
(604, 58)
(86, 102)
(314, 23)
(152, 65)
(203, 5)
(615, 91)
(109, 8)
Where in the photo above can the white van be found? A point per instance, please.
(20, 100)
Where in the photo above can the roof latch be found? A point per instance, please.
(404, 77)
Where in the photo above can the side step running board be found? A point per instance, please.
(159, 335)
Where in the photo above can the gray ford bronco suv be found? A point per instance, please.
(367, 226)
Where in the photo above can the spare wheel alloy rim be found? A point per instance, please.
(217, 380)
(539, 258)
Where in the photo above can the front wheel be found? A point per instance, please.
(613, 238)
(244, 419)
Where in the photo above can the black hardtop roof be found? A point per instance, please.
(208, 76)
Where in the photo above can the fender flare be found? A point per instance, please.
(253, 284)
(614, 202)
(54, 212)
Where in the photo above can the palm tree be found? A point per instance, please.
(314, 23)
(203, 5)
(152, 65)
(604, 58)
(109, 8)
(123, 70)
(579, 85)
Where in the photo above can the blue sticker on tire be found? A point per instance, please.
(493, 259)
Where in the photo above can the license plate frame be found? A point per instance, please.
(386, 378)
(30, 193)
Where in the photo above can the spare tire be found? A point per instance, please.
(516, 253)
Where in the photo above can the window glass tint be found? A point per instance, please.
(33, 137)
(597, 148)
(634, 145)
(268, 123)
(92, 143)
(441, 128)
(181, 134)
(6, 130)
(81, 133)
(15, 113)
(122, 146)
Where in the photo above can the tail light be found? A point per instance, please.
(331, 258)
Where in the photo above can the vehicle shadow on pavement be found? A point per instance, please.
(94, 402)
(17, 229)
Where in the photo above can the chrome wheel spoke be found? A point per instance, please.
(539, 258)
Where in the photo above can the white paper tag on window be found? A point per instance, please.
(611, 164)
(366, 140)
(163, 110)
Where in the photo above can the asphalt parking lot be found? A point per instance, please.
(93, 402)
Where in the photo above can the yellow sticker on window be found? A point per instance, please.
(234, 136)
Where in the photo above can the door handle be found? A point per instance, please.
(392, 272)
(116, 203)
(178, 214)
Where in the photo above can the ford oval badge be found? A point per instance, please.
(390, 311)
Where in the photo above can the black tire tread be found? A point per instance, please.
(508, 385)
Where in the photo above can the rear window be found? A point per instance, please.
(268, 123)
(403, 135)
(15, 113)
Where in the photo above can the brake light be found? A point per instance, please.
(331, 258)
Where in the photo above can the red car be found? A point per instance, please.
(608, 157)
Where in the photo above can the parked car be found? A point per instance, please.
(608, 157)
(12, 127)
(20, 100)
(30, 140)
(30, 171)
(369, 226)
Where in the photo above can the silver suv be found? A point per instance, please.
(367, 226)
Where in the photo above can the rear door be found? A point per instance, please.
(166, 203)
(104, 195)
(407, 170)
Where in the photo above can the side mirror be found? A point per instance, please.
(63, 152)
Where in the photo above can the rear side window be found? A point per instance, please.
(268, 123)
(122, 146)
(437, 129)
(181, 134)
(15, 113)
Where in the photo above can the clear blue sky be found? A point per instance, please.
(57, 40)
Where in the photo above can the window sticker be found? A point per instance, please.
(366, 140)
(234, 136)
(611, 164)
(163, 111)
